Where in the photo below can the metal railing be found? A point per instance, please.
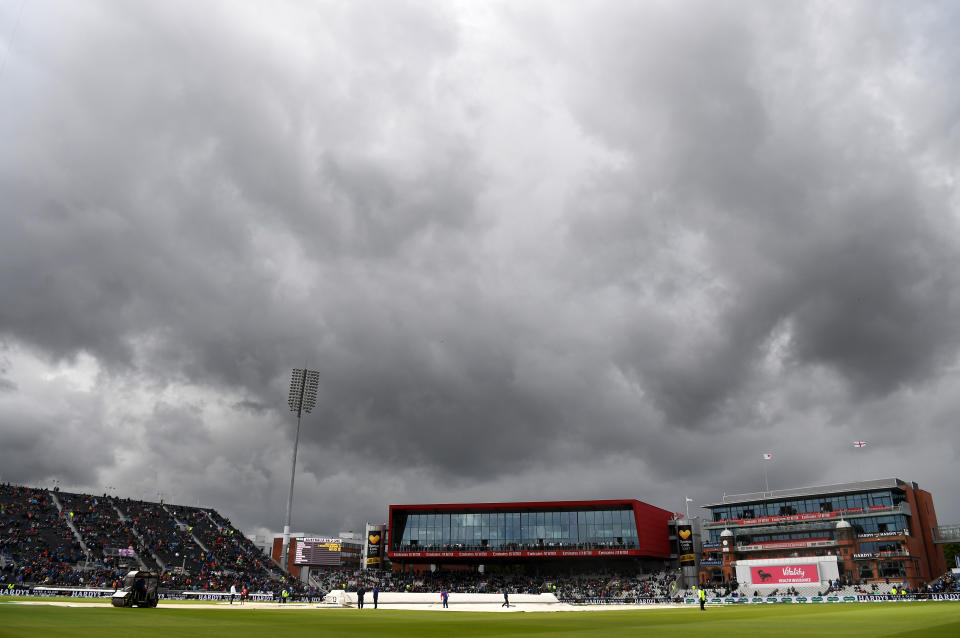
(946, 534)
(793, 520)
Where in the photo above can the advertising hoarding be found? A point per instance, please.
(374, 543)
(685, 545)
(785, 574)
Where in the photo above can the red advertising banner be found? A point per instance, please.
(792, 518)
(785, 574)
(559, 553)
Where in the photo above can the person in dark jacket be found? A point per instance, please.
(360, 592)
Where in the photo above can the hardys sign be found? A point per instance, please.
(784, 574)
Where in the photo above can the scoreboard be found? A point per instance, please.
(317, 551)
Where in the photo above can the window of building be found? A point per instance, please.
(891, 569)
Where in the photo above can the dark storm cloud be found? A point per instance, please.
(846, 246)
(62, 441)
(512, 239)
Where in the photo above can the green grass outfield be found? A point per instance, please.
(928, 619)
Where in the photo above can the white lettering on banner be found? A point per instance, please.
(786, 545)
(810, 516)
(562, 553)
(899, 532)
(215, 595)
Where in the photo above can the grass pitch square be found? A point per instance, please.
(876, 620)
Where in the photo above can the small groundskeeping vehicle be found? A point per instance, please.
(139, 590)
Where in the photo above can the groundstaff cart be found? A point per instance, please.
(139, 590)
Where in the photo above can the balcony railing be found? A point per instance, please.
(946, 534)
(462, 547)
(810, 517)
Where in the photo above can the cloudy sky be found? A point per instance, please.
(536, 250)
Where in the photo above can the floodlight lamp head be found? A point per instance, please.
(310, 390)
(303, 390)
(296, 389)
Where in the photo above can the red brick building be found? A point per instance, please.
(879, 531)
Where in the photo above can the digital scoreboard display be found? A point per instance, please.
(317, 551)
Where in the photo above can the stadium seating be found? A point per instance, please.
(38, 546)
(35, 541)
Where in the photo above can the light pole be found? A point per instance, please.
(303, 398)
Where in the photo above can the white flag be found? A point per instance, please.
(767, 456)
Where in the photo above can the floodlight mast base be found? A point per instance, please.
(286, 546)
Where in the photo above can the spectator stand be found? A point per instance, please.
(35, 541)
(161, 536)
(68, 520)
(104, 530)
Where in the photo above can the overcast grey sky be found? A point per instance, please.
(536, 250)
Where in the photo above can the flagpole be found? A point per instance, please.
(859, 445)
(766, 484)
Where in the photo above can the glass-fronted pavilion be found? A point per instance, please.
(485, 532)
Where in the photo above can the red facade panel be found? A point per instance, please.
(653, 529)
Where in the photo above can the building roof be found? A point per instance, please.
(803, 492)
(520, 506)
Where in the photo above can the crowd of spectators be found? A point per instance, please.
(38, 546)
(98, 522)
(948, 583)
(171, 544)
(35, 543)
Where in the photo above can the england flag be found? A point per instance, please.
(859, 444)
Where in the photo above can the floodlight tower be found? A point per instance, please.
(303, 398)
